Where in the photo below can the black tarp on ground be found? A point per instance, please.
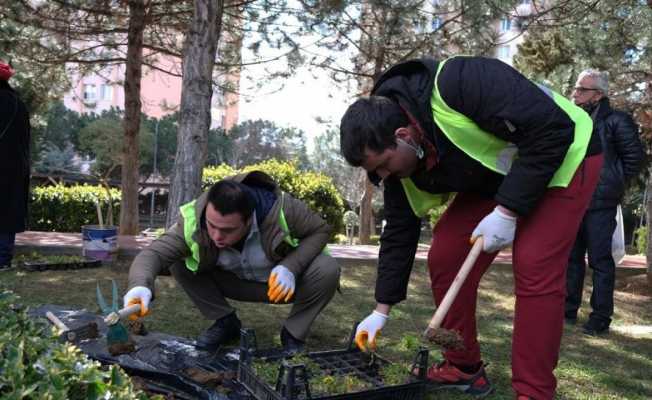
(160, 359)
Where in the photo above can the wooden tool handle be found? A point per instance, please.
(127, 311)
(451, 294)
(56, 321)
(114, 317)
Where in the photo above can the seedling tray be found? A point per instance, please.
(293, 379)
(36, 266)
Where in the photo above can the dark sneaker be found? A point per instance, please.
(446, 375)
(595, 327)
(224, 330)
(291, 345)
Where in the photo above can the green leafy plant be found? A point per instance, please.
(641, 239)
(35, 365)
(62, 208)
(394, 374)
(317, 190)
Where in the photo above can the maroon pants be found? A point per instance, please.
(540, 255)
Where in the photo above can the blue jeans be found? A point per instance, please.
(6, 248)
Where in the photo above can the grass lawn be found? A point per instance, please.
(618, 366)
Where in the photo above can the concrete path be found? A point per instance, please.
(57, 242)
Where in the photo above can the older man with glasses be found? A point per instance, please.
(623, 154)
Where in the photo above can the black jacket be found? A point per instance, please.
(14, 161)
(622, 150)
(501, 101)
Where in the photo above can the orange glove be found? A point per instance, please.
(280, 284)
(368, 330)
(138, 295)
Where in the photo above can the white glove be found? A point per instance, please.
(280, 284)
(497, 230)
(368, 330)
(138, 295)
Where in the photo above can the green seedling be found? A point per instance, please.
(394, 374)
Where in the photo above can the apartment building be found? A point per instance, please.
(160, 92)
(509, 32)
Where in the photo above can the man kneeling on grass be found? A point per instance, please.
(246, 240)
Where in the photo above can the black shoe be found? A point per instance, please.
(291, 345)
(224, 330)
(5, 266)
(594, 327)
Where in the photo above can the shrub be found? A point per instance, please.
(435, 213)
(317, 190)
(66, 208)
(35, 365)
(641, 239)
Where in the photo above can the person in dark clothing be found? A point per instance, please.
(523, 164)
(623, 156)
(14, 165)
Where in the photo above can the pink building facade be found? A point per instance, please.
(160, 93)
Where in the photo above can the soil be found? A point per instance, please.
(208, 378)
(639, 285)
(449, 340)
(122, 348)
(136, 327)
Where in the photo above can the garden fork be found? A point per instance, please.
(117, 333)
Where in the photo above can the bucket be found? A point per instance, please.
(100, 242)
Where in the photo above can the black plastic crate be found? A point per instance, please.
(292, 381)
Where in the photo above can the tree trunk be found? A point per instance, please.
(196, 92)
(648, 211)
(366, 212)
(130, 162)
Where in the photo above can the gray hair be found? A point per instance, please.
(601, 79)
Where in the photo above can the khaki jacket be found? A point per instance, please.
(304, 224)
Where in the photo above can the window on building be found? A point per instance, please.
(436, 23)
(90, 93)
(106, 92)
(505, 24)
(504, 52)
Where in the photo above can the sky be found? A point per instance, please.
(298, 103)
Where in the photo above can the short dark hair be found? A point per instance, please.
(370, 122)
(230, 197)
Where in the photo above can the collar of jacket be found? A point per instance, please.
(603, 109)
(270, 231)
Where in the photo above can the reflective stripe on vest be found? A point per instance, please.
(497, 154)
(420, 200)
(492, 152)
(189, 227)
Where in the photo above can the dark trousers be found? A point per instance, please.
(594, 238)
(315, 288)
(540, 254)
(6, 248)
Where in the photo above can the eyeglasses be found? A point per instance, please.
(583, 89)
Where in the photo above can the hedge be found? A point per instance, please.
(317, 190)
(66, 208)
(35, 365)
